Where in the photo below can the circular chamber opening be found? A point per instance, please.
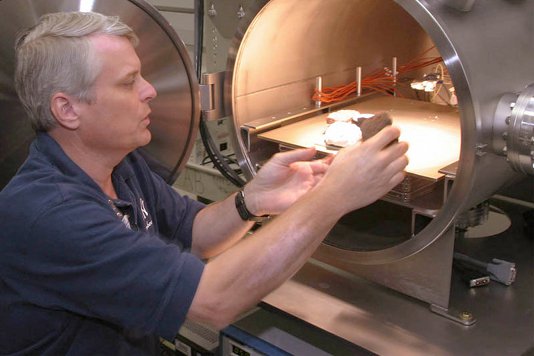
(299, 62)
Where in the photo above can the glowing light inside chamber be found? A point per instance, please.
(431, 147)
(87, 5)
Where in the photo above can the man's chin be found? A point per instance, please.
(143, 140)
(147, 139)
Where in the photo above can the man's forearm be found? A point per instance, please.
(236, 279)
(217, 227)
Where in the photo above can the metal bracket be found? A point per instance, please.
(462, 317)
(212, 96)
(245, 136)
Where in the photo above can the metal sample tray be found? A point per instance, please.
(432, 131)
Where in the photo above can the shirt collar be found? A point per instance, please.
(47, 146)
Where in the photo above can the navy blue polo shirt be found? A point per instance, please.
(74, 279)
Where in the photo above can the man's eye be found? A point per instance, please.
(129, 83)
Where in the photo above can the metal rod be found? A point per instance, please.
(183, 10)
(394, 70)
(319, 88)
(199, 35)
(359, 80)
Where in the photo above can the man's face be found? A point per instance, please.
(117, 120)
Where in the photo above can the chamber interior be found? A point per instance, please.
(292, 49)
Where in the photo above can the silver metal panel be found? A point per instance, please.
(425, 275)
(165, 63)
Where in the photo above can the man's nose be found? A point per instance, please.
(148, 92)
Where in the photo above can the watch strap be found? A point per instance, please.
(244, 213)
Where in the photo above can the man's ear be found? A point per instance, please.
(64, 110)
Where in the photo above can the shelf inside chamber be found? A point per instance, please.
(431, 130)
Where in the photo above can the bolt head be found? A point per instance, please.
(466, 315)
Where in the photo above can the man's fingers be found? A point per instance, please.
(319, 166)
(286, 158)
(384, 137)
(397, 179)
(397, 149)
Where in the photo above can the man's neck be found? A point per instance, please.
(96, 164)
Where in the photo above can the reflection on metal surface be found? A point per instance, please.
(165, 63)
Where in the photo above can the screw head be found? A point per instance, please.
(465, 315)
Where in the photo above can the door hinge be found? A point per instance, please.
(212, 96)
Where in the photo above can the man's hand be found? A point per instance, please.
(283, 180)
(357, 176)
(362, 173)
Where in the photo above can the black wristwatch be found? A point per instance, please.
(243, 211)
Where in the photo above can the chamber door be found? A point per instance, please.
(165, 64)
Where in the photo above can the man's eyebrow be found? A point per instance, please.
(130, 74)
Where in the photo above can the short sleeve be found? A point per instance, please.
(174, 213)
